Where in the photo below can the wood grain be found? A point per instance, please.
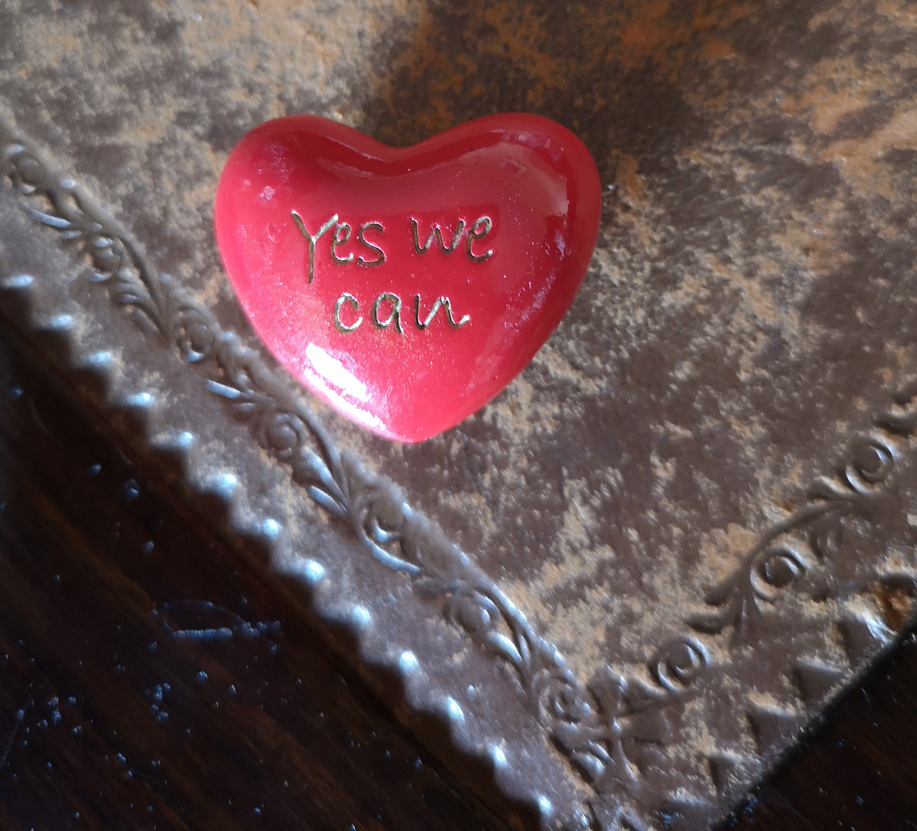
(859, 770)
(147, 680)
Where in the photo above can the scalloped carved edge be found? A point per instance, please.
(398, 537)
(603, 727)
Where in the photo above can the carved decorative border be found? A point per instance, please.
(787, 551)
(602, 727)
(280, 421)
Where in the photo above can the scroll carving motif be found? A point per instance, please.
(809, 537)
(609, 728)
(584, 724)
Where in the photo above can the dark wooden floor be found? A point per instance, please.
(147, 680)
(859, 770)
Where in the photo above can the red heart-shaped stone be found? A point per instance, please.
(407, 287)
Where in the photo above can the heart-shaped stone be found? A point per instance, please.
(407, 287)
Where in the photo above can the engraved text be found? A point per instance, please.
(387, 312)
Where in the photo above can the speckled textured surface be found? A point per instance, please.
(746, 323)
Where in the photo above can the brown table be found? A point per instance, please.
(146, 673)
(749, 316)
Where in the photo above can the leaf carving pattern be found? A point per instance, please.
(606, 728)
(786, 551)
(591, 727)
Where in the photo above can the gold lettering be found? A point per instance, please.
(437, 234)
(339, 237)
(341, 326)
(479, 230)
(440, 302)
(394, 315)
(312, 240)
(375, 226)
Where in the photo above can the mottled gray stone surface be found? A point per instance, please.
(748, 319)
